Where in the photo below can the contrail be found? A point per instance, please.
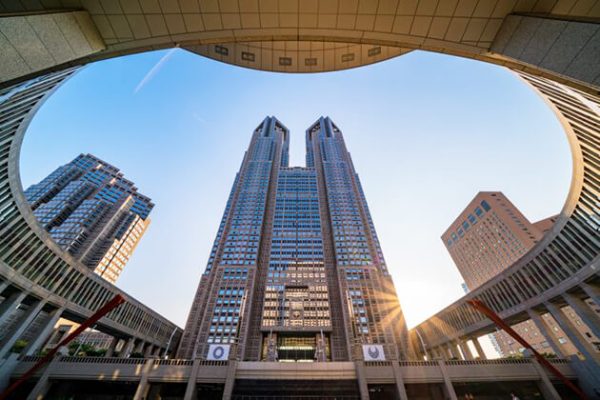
(154, 70)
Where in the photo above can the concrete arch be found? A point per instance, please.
(557, 38)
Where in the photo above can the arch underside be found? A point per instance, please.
(559, 40)
(556, 38)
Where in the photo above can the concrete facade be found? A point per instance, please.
(547, 37)
(93, 212)
(556, 272)
(489, 236)
(39, 281)
(560, 270)
(296, 272)
(148, 374)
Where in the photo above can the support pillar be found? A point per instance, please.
(587, 315)
(434, 353)
(3, 286)
(452, 350)
(592, 291)
(190, 389)
(110, 352)
(363, 387)
(148, 350)
(581, 344)
(43, 384)
(400, 388)
(9, 305)
(43, 333)
(479, 349)
(164, 352)
(465, 350)
(139, 347)
(126, 350)
(22, 325)
(546, 331)
(546, 387)
(142, 389)
(449, 388)
(442, 353)
(229, 380)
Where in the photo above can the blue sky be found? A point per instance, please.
(426, 133)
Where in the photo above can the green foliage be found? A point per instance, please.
(136, 355)
(520, 356)
(19, 346)
(85, 350)
(514, 356)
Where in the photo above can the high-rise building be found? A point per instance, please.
(296, 272)
(92, 212)
(488, 237)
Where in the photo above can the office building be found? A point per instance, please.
(92, 212)
(488, 237)
(296, 272)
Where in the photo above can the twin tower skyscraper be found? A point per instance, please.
(296, 272)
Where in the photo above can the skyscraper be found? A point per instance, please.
(488, 237)
(92, 212)
(296, 272)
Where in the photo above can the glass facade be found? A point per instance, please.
(296, 272)
(92, 212)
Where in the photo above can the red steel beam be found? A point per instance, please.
(480, 306)
(105, 309)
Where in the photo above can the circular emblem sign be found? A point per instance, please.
(218, 352)
(373, 352)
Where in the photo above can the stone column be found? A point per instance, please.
(22, 325)
(126, 350)
(43, 333)
(3, 286)
(148, 350)
(363, 387)
(441, 352)
(190, 389)
(546, 386)
(581, 344)
(591, 290)
(452, 350)
(465, 350)
(400, 388)
(43, 384)
(587, 315)
(229, 380)
(9, 305)
(142, 389)
(110, 352)
(479, 349)
(139, 347)
(447, 382)
(546, 331)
